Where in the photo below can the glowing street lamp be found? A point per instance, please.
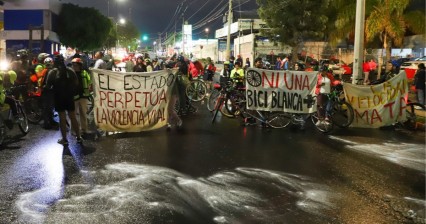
(121, 21)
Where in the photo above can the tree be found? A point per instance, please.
(390, 21)
(128, 35)
(387, 20)
(293, 21)
(82, 27)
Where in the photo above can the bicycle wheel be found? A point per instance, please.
(279, 119)
(211, 100)
(217, 107)
(22, 120)
(236, 103)
(321, 124)
(33, 109)
(342, 114)
(410, 109)
(196, 90)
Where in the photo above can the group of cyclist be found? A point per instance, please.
(60, 87)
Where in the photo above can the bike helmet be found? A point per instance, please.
(41, 57)
(77, 60)
(48, 61)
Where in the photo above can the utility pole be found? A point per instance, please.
(359, 40)
(228, 39)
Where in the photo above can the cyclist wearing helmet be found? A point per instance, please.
(47, 98)
(81, 99)
(64, 82)
(237, 74)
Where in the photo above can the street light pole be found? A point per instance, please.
(359, 40)
(228, 38)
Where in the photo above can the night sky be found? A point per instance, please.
(154, 16)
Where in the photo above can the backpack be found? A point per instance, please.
(65, 84)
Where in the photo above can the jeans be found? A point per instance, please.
(421, 96)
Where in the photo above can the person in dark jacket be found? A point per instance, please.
(64, 83)
(420, 83)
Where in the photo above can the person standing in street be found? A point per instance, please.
(64, 83)
(99, 63)
(47, 97)
(83, 93)
(420, 84)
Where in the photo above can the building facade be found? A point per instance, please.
(31, 24)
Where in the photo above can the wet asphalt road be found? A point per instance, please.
(220, 173)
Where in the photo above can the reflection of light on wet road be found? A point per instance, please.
(129, 193)
(404, 154)
(41, 169)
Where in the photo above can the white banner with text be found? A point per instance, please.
(277, 90)
(132, 101)
(378, 105)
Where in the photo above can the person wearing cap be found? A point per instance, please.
(323, 87)
(81, 99)
(64, 83)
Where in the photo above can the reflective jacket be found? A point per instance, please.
(84, 84)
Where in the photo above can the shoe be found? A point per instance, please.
(63, 141)
(79, 140)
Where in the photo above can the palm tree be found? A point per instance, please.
(390, 22)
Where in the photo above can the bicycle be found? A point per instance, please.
(33, 107)
(219, 101)
(410, 109)
(197, 89)
(341, 112)
(21, 118)
(236, 105)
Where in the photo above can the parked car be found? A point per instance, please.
(412, 64)
(410, 67)
(338, 67)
